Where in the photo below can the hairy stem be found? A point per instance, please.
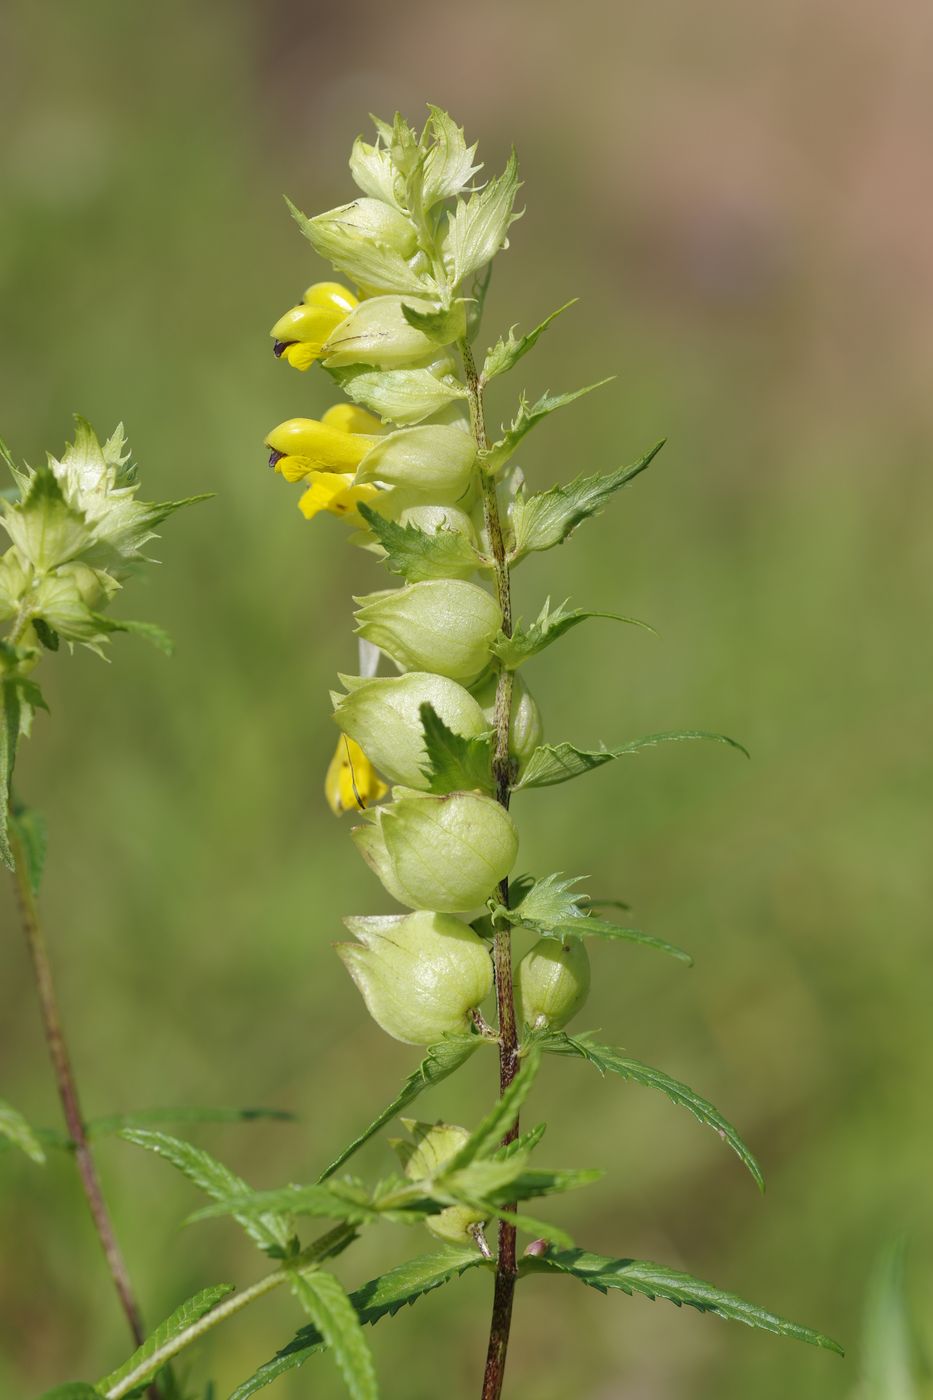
(506, 1266)
(68, 1088)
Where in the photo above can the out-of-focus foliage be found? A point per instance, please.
(754, 258)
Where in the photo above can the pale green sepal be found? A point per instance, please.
(45, 529)
(507, 352)
(435, 461)
(372, 169)
(655, 1281)
(377, 333)
(526, 642)
(403, 396)
(552, 982)
(548, 517)
(478, 227)
(15, 1129)
(370, 241)
(557, 763)
(442, 625)
(496, 456)
(448, 162)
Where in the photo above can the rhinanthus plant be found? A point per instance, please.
(431, 751)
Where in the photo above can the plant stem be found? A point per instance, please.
(506, 1266)
(68, 1088)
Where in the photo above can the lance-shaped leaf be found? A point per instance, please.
(557, 763)
(149, 631)
(270, 1231)
(342, 1200)
(554, 909)
(610, 1061)
(15, 1129)
(381, 1297)
(528, 415)
(333, 1314)
(548, 626)
(455, 763)
(417, 554)
(655, 1281)
(33, 839)
(192, 1310)
(402, 396)
(441, 1060)
(477, 227)
(893, 1364)
(484, 1139)
(507, 351)
(548, 517)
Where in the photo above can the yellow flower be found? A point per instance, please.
(351, 784)
(334, 491)
(300, 446)
(301, 333)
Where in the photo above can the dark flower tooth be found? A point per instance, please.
(279, 347)
(275, 457)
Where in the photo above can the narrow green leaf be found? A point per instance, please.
(477, 227)
(484, 1139)
(31, 830)
(607, 1060)
(339, 1201)
(189, 1312)
(270, 1232)
(515, 650)
(655, 1281)
(46, 634)
(333, 1314)
(590, 927)
(506, 353)
(455, 763)
(418, 555)
(72, 1390)
(527, 416)
(146, 1117)
(149, 631)
(15, 1129)
(553, 909)
(546, 519)
(524, 1143)
(893, 1367)
(441, 1060)
(9, 738)
(557, 763)
(381, 1297)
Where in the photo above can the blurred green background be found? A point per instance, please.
(740, 195)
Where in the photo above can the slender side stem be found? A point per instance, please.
(68, 1089)
(506, 1265)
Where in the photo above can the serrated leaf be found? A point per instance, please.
(270, 1232)
(401, 396)
(416, 554)
(545, 519)
(46, 634)
(33, 839)
(189, 1312)
(381, 1297)
(484, 1138)
(552, 908)
(455, 763)
(524, 642)
(528, 415)
(440, 1061)
(590, 927)
(478, 227)
(525, 1142)
(610, 1061)
(149, 631)
(9, 738)
(340, 1201)
(443, 326)
(15, 1129)
(558, 763)
(333, 1314)
(507, 351)
(146, 1117)
(655, 1281)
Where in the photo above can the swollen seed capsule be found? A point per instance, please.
(435, 461)
(420, 974)
(442, 625)
(526, 730)
(383, 716)
(444, 853)
(424, 1154)
(377, 333)
(552, 982)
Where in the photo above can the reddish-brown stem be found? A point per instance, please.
(506, 1264)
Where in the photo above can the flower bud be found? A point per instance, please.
(526, 730)
(445, 853)
(442, 625)
(382, 714)
(377, 333)
(552, 982)
(364, 221)
(351, 783)
(432, 1146)
(420, 974)
(300, 446)
(434, 460)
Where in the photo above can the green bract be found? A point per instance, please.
(442, 625)
(420, 974)
(382, 715)
(445, 853)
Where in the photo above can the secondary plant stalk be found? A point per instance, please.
(506, 1264)
(68, 1089)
